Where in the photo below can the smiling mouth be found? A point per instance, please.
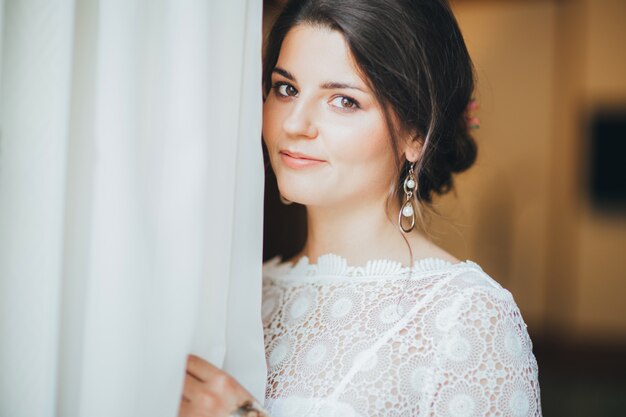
(296, 160)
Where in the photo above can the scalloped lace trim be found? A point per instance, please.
(335, 265)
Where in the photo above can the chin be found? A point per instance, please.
(300, 192)
(296, 197)
(298, 186)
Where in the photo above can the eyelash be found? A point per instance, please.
(276, 86)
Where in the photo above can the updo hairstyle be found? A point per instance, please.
(413, 57)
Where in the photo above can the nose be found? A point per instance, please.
(300, 122)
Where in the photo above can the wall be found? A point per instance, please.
(502, 205)
(601, 284)
(522, 210)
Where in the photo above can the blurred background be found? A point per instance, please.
(543, 210)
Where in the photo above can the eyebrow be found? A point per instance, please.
(329, 85)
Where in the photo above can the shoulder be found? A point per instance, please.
(272, 262)
(484, 308)
(479, 292)
(473, 300)
(274, 266)
(482, 348)
(473, 281)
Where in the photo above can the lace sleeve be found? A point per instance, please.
(485, 364)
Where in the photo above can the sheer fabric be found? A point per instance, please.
(439, 339)
(131, 202)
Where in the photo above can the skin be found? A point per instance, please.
(208, 391)
(311, 110)
(346, 128)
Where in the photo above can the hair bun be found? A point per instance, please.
(466, 151)
(453, 152)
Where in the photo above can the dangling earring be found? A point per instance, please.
(407, 210)
(284, 200)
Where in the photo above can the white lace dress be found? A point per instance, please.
(371, 341)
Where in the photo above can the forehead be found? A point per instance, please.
(316, 53)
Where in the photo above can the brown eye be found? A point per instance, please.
(285, 90)
(291, 91)
(345, 103)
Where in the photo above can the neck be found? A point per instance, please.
(357, 232)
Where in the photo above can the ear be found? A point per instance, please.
(413, 148)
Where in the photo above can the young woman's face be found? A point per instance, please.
(326, 134)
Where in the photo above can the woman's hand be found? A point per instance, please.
(211, 392)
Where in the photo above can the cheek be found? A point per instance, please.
(269, 123)
(363, 144)
(362, 156)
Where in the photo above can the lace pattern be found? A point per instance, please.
(332, 265)
(339, 343)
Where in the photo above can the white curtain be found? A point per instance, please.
(131, 186)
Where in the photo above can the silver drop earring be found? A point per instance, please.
(407, 210)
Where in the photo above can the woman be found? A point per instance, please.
(364, 121)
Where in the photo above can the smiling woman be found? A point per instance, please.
(319, 109)
(365, 121)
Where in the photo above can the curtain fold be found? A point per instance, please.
(131, 187)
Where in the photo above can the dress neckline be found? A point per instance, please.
(331, 264)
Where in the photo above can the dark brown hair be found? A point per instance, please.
(414, 58)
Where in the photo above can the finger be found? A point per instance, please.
(192, 388)
(185, 409)
(185, 396)
(221, 385)
(201, 378)
(200, 368)
(200, 400)
(188, 409)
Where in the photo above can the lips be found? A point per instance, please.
(298, 155)
(297, 160)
